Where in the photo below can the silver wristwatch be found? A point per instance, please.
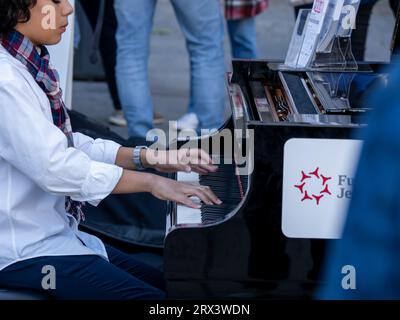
(136, 157)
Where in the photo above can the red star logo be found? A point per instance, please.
(323, 180)
(315, 173)
(301, 186)
(306, 197)
(317, 198)
(304, 176)
(326, 190)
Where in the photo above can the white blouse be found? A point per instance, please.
(37, 171)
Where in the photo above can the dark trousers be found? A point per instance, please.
(359, 35)
(108, 43)
(396, 41)
(88, 277)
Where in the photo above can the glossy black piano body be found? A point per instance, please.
(246, 255)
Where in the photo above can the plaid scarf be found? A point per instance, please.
(38, 64)
(241, 9)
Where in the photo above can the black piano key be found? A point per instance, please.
(227, 186)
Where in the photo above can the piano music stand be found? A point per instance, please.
(320, 42)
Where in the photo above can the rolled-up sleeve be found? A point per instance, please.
(31, 143)
(100, 181)
(97, 149)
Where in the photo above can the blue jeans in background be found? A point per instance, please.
(202, 24)
(242, 34)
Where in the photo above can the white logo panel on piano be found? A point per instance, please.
(318, 176)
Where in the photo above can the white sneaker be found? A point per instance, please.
(118, 119)
(188, 121)
(158, 118)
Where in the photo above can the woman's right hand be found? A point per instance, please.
(181, 193)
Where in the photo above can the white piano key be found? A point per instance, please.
(191, 177)
(187, 215)
(184, 214)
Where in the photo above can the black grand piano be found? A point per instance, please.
(238, 250)
(242, 249)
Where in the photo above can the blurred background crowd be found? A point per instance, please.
(173, 55)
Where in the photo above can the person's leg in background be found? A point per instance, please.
(135, 21)
(359, 34)
(394, 4)
(108, 50)
(202, 24)
(241, 23)
(88, 277)
(242, 35)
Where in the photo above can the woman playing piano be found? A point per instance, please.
(47, 172)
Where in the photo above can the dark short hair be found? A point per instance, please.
(13, 12)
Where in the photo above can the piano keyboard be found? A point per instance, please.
(225, 183)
